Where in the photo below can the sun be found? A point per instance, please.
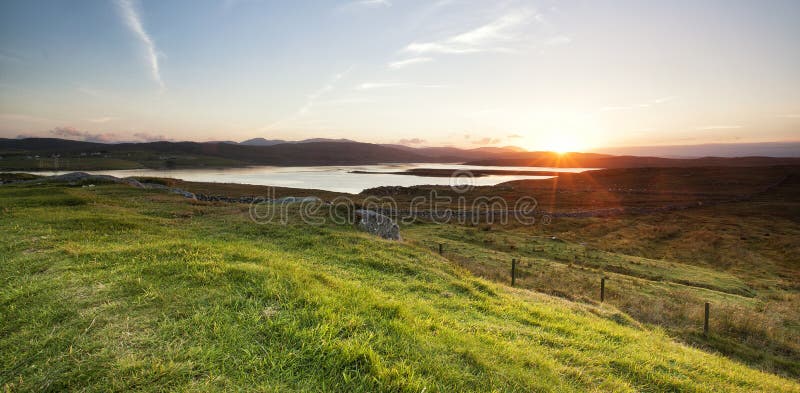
(560, 143)
(561, 147)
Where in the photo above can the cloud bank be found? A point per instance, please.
(411, 141)
(67, 132)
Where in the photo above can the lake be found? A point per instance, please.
(333, 178)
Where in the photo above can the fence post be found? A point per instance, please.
(705, 320)
(513, 271)
(441, 249)
(602, 289)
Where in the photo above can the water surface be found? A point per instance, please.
(334, 178)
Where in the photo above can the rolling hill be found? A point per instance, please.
(40, 153)
(113, 288)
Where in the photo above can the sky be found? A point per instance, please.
(573, 75)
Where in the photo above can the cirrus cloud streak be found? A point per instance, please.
(133, 21)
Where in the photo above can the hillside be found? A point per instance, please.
(33, 154)
(51, 153)
(594, 160)
(661, 265)
(763, 149)
(112, 288)
(668, 240)
(38, 153)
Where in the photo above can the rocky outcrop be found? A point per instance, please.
(377, 224)
(82, 177)
(76, 177)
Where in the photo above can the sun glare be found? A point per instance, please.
(560, 143)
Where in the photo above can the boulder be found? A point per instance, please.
(377, 224)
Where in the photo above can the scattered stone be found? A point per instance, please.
(154, 186)
(184, 193)
(291, 199)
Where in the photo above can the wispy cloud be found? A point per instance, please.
(718, 127)
(380, 85)
(411, 141)
(389, 85)
(647, 104)
(133, 20)
(101, 119)
(373, 3)
(311, 100)
(407, 62)
(353, 5)
(486, 141)
(790, 116)
(664, 99)
(514, 136)
(314, 96)
(617, 108)
(90, 91)
(345, 101)
(74, 133)
(557, 40)
(491, 37)
(148, 137)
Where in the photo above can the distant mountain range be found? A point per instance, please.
(764, 149)
(21, 154)
(317, 151)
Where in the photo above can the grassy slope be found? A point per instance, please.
(111, 289)
(759, 327)
(662, 267)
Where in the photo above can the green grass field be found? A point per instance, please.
(118, 289)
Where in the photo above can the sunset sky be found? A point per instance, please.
(538, 74)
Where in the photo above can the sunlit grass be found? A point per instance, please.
(118, 289)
